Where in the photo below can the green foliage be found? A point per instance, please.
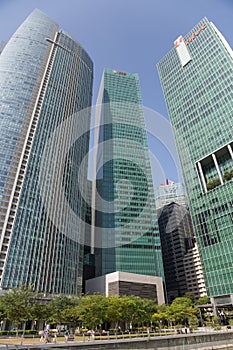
(182, 302)
(130, 309)
(181, 311)
(39, 311)
(18, 332)
(31, 331)
(213, 183)
(58, 309)
(190, 295)
(148, 308)
(217, 327)
(18, 304)
(205, 300)
(216, 323)
(115, 310)
(228, 175)
(193, 322)
(161, 315)
(91, 310)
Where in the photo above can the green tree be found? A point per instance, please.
(91, 310)
(129, 308)
(55, 308)
(182, 311)
(204, 312)
(18, 304)
(115, 310)
(161, 316)
(205, 300)
(190, 295)
(148, 309)
(135, 310)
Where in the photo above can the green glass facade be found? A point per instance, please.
(198, 89)
(126, 226)
(46, 80)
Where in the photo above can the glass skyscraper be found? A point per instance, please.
(126, 231)
(196, 77)
(45, 83)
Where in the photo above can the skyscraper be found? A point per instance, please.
(181, 259)
(126, 229)
(176, 234)
(196, 77)
(194, 272)
(45, 83)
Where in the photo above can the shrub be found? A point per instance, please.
(217, 327)
(19, 332)
(4, 333)
(31, 331)
(213, 183)
(228, 175)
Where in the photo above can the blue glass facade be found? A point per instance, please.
(46, 79)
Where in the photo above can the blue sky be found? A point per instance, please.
(126, 35)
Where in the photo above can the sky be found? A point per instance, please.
(130, 36)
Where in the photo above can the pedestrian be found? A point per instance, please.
(41, 333)
(55, 337)
(89, 335)
(47, 336)
(67, 335)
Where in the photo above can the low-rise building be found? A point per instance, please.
(125, 283)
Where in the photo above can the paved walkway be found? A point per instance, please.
(212, 340)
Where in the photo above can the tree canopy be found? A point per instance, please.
(18, 304)
(91, 311)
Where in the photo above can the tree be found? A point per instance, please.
(161, 315)
(182, 311)
(39, 311)
(148, 307)
(120, 309)
(203, 304)
(205, 300)
(91, 310)
(190, 295)
(18, 304)
(56, 307)
(115, 310)
(135, 310)
(132, 310)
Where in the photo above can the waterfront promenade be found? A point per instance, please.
(205, 341)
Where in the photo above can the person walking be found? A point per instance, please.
(47, 336)
(67, 335)
(41, 333)
(89, 335)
